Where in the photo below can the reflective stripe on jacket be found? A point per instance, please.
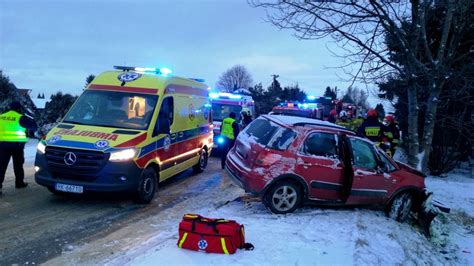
(227, 129)
(10, 128)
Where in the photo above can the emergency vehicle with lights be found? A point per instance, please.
(130, 129)
(223, 104)
(308, 110)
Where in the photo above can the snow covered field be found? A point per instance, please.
(310, 236)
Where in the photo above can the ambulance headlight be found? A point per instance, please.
(41, 148)
(123, 155)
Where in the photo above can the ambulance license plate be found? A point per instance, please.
(69, 188)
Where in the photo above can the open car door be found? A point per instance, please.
(346, 155)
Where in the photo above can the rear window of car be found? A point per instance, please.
(261, 130)
(282, 139)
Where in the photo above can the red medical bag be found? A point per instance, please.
(211, 235)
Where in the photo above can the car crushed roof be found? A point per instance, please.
(302, 121)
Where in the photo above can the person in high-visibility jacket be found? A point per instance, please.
(392, 133)
(372, 129)
(13, 126)
(229, 131)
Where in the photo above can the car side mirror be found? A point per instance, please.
(163, 127)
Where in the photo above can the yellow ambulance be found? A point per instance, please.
(130, 129)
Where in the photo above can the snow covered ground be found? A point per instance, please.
(310, 236)
(315, 236)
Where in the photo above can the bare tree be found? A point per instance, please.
(356, 96)
(234, 78)
(360, 29)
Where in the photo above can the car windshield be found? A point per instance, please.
(112, 109)
(289, 112)
(221, 111)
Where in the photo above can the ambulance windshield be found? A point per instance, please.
(113, 109)
(221, 111)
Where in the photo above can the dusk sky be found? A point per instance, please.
(51, 45)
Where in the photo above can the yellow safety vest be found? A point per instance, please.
(10, 129)
(227, 129)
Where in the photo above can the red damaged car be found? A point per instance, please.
(290, 160)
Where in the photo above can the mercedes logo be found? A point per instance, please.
(70, 158)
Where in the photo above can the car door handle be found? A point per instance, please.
(306, 165)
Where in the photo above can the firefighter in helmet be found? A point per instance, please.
(392, 133)
(371, 128)
(246, 117)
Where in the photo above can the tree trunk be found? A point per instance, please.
(413, 141)
(428, 127)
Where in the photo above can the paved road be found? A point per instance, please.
(36, 226)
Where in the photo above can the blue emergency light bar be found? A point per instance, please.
(160, 71)
(216, 95)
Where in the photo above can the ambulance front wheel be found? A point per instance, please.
(147, 186)
(202, 163)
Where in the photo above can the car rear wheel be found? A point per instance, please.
(147, 186)
(202, 163)
(283, 197)
(401, 207)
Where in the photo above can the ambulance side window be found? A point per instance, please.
(165, 114)
(167, 109)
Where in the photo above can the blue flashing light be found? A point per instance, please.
(311, 97)
(208, 105)
(145, 69)
(305, 105)
(165, 71)
(220, 140)
(215, 95)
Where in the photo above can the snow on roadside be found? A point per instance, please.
(311, 236)
(456, 229)
(315, 236)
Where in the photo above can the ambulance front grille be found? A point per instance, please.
(86, 162)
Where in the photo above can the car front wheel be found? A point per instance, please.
(401, 207)
(147, 186)
(283, 197)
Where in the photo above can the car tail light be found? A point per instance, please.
(266, 158)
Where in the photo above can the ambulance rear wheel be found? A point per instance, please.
(147, 186)
(202, 163)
